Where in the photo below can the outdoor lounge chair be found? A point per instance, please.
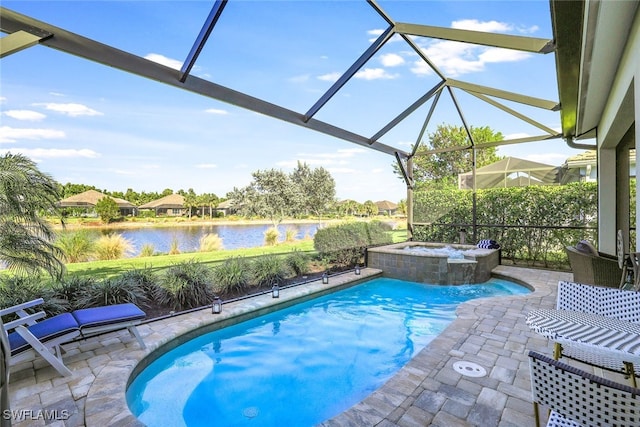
(578, 398)
(616, 303)
(46, 336)
(592, 269)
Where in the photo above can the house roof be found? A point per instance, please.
(386, 205)
(590, 157)
(172, 201)
(225, 205)
(91, 198)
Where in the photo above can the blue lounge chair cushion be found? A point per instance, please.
(108, 315)
(44, 330)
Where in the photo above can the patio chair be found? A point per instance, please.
(604, 301)
(594, 268)
(578, 398)
(46, 336)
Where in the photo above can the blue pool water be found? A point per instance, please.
(301, 365)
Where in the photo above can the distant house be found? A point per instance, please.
(171, 205)
(583, 167)
(386, 207)
(226, 208)
(90, 198)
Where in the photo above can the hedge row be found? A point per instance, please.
(344, 244)
(517, 218)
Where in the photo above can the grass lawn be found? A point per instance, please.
(103, 269)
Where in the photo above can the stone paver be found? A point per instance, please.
(427, 391)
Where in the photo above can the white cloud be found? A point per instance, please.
(457, 58)
(70, 109)
(56, 153)
(329, 77)
(377, 170)
(494, 54)
(3, 99)
(207, 166)
(375, 34)
(391, 60)
(421, 68)
(27, 115)
(374, 74)
(454, 58)
(163, 60)
(485, 26)
(218, 111)
(9, 134)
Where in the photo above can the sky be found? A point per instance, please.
(86, 123)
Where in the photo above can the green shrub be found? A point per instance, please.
(145, 279)
(15, 290)
(147, 250)
(268, 269)
(345, 243)
(298, 262)
(210, 242)
(77, 246)
(111, 291)
(515, 217)
(290, 234)
(271, 236)
(232, 275)
(174, 248)
(71, 289)
(146, 214)
(186, 285)
(107, 209)
(378, 233)
(112, 246)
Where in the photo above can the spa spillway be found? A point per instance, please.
(435, 263)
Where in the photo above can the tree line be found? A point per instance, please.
(272, 194)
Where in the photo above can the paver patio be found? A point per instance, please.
(427, 391)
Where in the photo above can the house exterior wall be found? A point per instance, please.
(622, 110)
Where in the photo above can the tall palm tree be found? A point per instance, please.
(26, 239)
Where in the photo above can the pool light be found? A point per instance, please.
(325, 279)
(275, 291)
(357, 270)
(216, 307)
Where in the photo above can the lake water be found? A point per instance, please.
(233, 236)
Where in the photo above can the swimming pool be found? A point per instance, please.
(303, 364)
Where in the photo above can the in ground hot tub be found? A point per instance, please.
(436, 263)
